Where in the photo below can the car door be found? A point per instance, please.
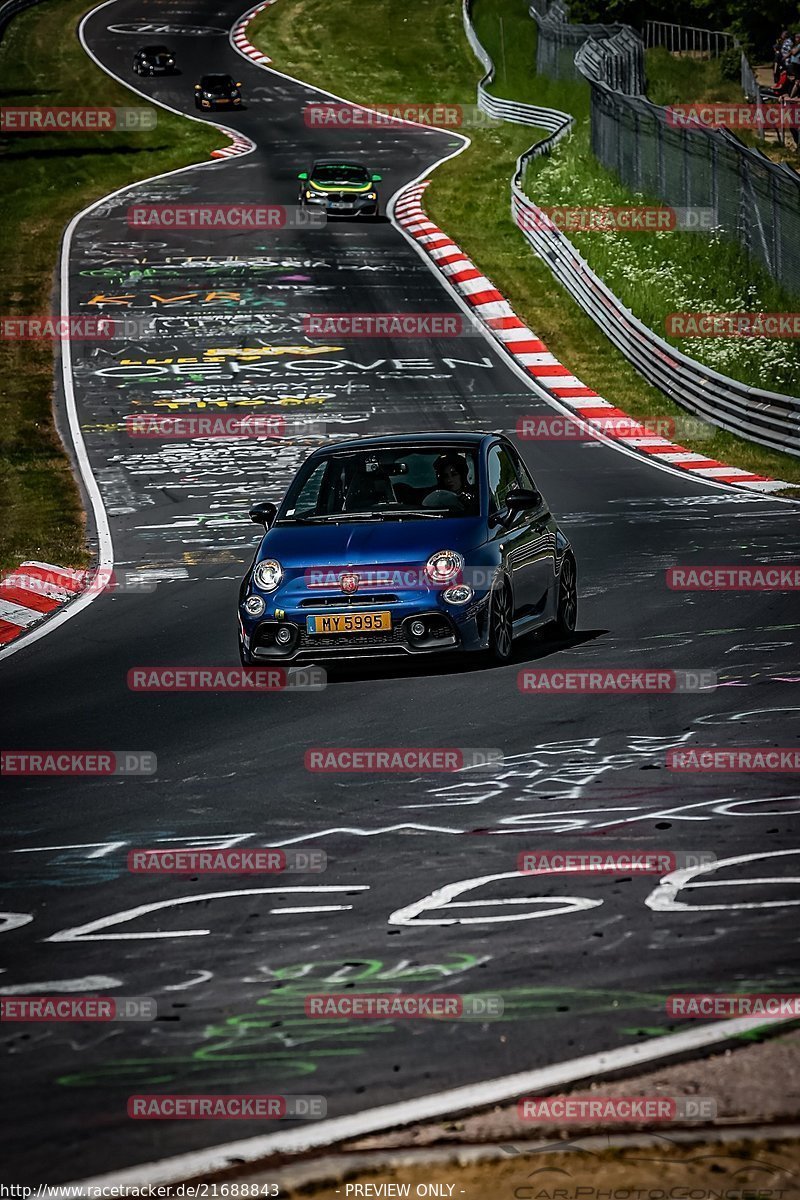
(510, 533)
(540, 542)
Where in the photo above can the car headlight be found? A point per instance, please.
(443, 566)
(462, 593)
(268, 574)
(254, 606)
(372, 195)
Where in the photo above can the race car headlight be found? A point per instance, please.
(254, 606)
(462, 593)
(443, 566)
(268, 575)
(372, 195)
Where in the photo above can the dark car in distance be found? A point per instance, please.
(217, 91)
(154, 60)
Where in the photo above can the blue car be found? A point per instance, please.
(408, 544)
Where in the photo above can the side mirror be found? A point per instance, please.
(239, 84)
(377, 178)
(197, 87)
(264, 513)
(523, 498)
(303, 175)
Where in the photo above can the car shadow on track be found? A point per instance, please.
(530, 649)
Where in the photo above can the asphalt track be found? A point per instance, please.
(580, 771)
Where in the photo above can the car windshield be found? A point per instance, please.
(333, 174)
(394, 483)
(217, 83)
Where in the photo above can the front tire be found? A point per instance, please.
(566, 617)
(500, 624)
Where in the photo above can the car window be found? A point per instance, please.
(502, 477)
(523, 474)
(306, 502)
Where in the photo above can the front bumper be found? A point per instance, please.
(359, 207)
(448, 628)
(212, 105)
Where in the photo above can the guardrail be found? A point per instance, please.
(10, 9)
(769, 418)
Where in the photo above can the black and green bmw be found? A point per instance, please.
(341, 189)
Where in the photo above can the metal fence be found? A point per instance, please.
(558, 41)
(766, 417)
(756, 201)
(618, 61)
(688, 39)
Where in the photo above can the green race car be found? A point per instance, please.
(339, 189)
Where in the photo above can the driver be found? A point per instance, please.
(452, 475)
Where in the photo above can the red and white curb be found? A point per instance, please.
(239, 144)
(530, 353)
(240, 39)
(31, 593)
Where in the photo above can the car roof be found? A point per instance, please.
(337, 162)
(216, 76)
(392, 440)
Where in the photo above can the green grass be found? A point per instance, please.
(45, 179)
(416, 51)
(673, 79)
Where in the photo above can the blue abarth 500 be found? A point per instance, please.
(407, 544)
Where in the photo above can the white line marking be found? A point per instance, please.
(426, 1108)
(105, 549)
(86, 933)
(662, 898)
(89, 983)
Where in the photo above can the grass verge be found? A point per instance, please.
(45, 179)
(417, 51)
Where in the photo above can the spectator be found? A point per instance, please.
(781, 50)
(793, 59)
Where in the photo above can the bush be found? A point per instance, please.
(730, 63)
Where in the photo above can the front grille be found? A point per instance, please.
(347, 641)
(348, 601)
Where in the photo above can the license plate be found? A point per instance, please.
(341, 203)
(373, 622)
